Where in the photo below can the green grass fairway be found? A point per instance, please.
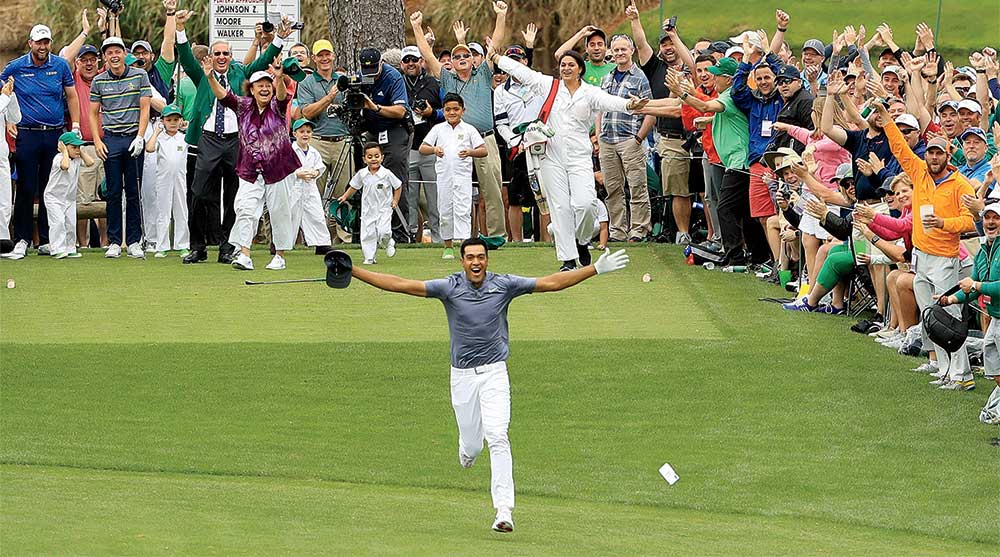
(153, 408)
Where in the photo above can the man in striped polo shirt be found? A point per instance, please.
(120, 96)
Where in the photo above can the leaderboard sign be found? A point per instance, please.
(234, 21)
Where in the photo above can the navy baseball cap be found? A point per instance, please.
(788, 71)
(371, 60)
(85, 50)
(338, 269)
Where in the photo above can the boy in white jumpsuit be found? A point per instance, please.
(10, 113)
(476, 303)
(304, 201)
(149, 179)
(567, 170)
(168, 151)
(454, 143)
(60, 195)
(380, 190)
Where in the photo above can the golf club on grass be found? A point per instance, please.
(338, 272)
(291, 281)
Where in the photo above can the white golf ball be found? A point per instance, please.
(647, 277)
(10, 283)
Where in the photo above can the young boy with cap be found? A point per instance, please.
(170, 190)
(455, 143)
(375, 183)
(60, 195)
(304, 202)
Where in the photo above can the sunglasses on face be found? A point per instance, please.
(460, 56)
(410, 60)
(782, 81)
(907, 131)
(221, 53)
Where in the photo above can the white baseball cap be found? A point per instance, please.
(733, 50)
(907, 119)
(112, 41)
(970, 104)
(752, 36)
(410, 51)
(257, 76)
(40, 32)
(895, 70)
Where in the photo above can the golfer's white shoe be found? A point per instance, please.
(242, 262)
(18, 252)
(114, 251)
(135, 251)
(926, 367)
(277, 263)
(465, 461)
(390, 248)
(44, 250)
(505, 521)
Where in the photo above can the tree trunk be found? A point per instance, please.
(355, 25)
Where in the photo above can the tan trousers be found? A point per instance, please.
(619, 161)
(488, 173)
(90, 177)
(330, 152)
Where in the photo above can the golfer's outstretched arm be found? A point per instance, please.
(391, 283)
(608, 262)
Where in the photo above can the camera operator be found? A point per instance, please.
(318, 99)
(424, 91)
(387, 123)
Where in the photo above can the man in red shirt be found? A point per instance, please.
(694, 119)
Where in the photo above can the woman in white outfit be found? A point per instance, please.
(566, 172)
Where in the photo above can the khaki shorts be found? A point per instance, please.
(90, 177)
(675, 166)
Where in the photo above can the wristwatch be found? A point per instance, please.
(875, 239)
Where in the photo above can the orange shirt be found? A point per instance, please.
(946, 197)
(83, 95)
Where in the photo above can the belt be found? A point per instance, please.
(119, 134)
(40, 128)
(331, 138)
(221, 136)
(486, 134)
(672, 136)
(479, 370)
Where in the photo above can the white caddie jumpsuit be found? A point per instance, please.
(170, 193)
(60, 202)
(306, 205)
(10, 113)
(567, 171)
(454, 177)
(376, 207)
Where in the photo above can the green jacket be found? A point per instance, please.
(986, 270)
(204, 99)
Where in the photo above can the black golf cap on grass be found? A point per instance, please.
(338, 269)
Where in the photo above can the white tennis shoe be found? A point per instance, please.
(465, 461)
(505, 521)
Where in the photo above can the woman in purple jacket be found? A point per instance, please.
(266, 164)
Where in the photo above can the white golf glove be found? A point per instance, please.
(609, 262)
(135, 149)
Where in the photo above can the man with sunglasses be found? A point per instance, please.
(213, 129)
(475, 86)
(797, 109)
(424, 92)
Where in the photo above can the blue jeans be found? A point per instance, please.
(122, 172)
(35, 151)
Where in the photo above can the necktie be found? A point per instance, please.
(220, 111)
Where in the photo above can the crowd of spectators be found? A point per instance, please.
(804, 164)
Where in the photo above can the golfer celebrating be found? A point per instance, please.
(476, 304)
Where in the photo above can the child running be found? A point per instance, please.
(380, 190)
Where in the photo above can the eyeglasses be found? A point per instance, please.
(410, 59)
(962, 90)
(221, 53)
(783, 81)
(461, 56)
(907, 131)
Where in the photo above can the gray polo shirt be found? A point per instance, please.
(477, 94)
(119, 98)
(313, 88)
(477, 317)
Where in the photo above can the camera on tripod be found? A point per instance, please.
(355, 88)
(114, 6)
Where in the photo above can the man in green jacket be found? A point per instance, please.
(985, 283)
(213, 132)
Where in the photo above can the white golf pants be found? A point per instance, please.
(6, 195)
(454, 208)
(171, 202)
(376, 228)
(481, 399)
(569, 189)
(307, 214)
(935, 275)
(148, 196)
(62, 224)
(249, 205)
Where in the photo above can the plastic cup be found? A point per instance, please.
(926, 211)
(785, 277)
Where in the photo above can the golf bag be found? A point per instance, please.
(944, 329)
